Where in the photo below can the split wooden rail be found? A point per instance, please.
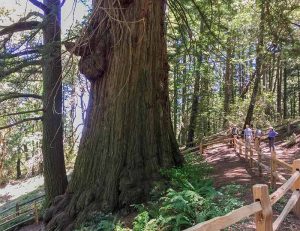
(261, 208)
(253, 155)
(21, 213)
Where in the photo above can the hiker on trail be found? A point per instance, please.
(271, 137)
(248, 135)
(234, 133)
(257, 137)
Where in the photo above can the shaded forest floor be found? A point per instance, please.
(228, 169)
(231, 169)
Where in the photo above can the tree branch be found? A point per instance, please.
(19, 95)
(21, 121)
(21, 112)
(21, 53)
(62, 3)
(32, 14)
(296, 24)
(20, 26)
(40, 5)
(19, 67)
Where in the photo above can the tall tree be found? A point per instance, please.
(53, 152)
(49, 22)
(258, 68)
(128, 133)
(279, 87)
(228, 80)
(195, 103)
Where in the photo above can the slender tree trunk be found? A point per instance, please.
(175, 102)
(259, 51)
(18, 168)
(183, 127)
(53, 154)
(294, 103)
(279, 88)
(299, 92)
(195, 103)
(227, 82)
(128, 135)
(285, 94)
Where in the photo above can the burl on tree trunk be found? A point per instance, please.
(128, 134)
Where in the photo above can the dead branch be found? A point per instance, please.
(21, 121)
(18, 95)
(20, 26)
(21, 112)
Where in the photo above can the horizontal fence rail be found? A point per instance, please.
(21, 213)
(261, 208)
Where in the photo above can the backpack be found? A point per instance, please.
(258, 133)
(234, 131)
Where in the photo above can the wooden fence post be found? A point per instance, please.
(273, 168)
(251, 156)
(296, 186)
(36, 215)
(263, 219)
(17, 209)
(246, 151)
(259, 161)
(201, 148)
(256, 146)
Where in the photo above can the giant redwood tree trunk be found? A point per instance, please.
(128, 134)
(53, 154)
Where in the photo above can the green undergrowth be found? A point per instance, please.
(189, 198)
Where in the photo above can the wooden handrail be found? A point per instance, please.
(28, 208)
(189, 150)
(284, 164)
(279, 193)
(289, 206)
(262, 207)
(228, 219)
(24, 203)
(217, 141)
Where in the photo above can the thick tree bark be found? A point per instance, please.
(53, 154)
(128, 135)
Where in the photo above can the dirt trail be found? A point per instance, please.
(231, 169)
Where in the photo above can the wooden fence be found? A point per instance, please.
(21, 213)
(253, 154)
(263, 202)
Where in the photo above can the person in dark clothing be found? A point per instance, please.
(234, 133)
(271, 137)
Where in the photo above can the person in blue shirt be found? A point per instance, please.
(248, 136)
(271, 136)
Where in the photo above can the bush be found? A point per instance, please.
(188, 199)
(291, 140)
